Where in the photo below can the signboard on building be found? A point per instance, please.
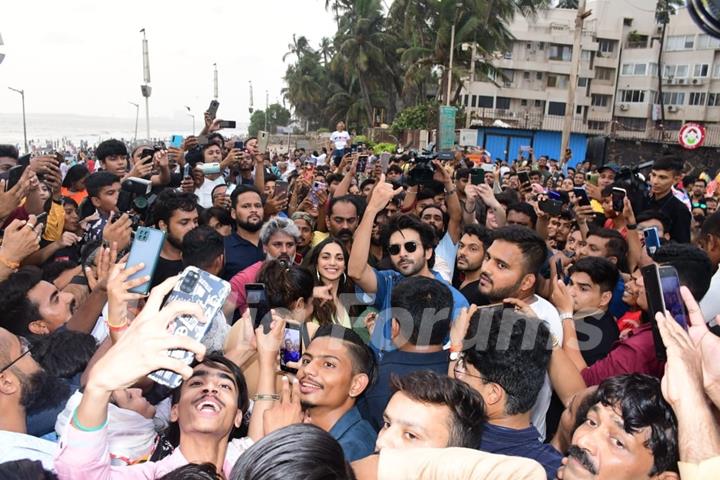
(468, 137)
(691, 136)
(446, 132)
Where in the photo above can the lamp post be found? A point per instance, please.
(452, 49)
(190, 114)
(266, 109)
(215, 84)
(22, 95)
(472, 46)
(137, 115)
(146, 89)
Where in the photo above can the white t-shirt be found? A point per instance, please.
(204, 193)
(546, 312)
(710, 303)
(17, 446)
(321, 159)
(445, 253)
(340, 139)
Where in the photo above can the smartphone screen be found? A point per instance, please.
(477, 176)
(291, 348)
(281, 188)
(227, 123)
(146, 247)
(652, 240)
(523, 177)
(257, 303)
(176, 141)
(559, 269)
(186, 170)
(362, 163)
(581, 194)
(618, 199)
(670, 284)
(213, 108)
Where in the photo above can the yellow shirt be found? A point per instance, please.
(318, 237)
(55, 222)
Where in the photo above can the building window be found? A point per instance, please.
(502, 103)
(680, 42)
(560, 52)
(705, 41)
(633, 123)
(485, 102)
(465, 100)
(676, 71)
(697, 98)
(673, 124)
(557, 81)
(582, 82)
(474, 101)
(653, 69)
(528, 45)
(599, 100)
(538, 75)
(585, 55)
(638, 41)
(526, 75)
(523, 102)
(674, 98)
(716, 71)
(578, 110)
(508, 56)
(634, 69)
(606, 46)
(539, 104)
(556, 108)
(713, 100)
(701, 70)
(632, 96)
(595, 125)
(602, 73)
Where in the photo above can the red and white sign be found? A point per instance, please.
(691, 136)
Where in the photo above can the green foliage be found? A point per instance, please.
(384, 147)
(323, 130)
(278, 116)
(363, 139)
(423, 116)
(257, 122)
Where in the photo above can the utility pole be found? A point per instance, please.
(146, 89)
(251, 98)
(575, 65)
(215, 84)
(472, 80)
(192, 115)
(22, 96)
(137, 115)
(266, 109)
(452, 50)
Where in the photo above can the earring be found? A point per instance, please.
(344, 278)
(317, 274)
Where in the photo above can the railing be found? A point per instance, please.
(487, 117)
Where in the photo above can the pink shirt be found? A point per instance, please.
(85, 455)
(238, 282)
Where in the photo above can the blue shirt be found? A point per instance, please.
(355, 435)
(386, 279)
(240, 254)
(521, 443)
(372, 404)
(617, 307)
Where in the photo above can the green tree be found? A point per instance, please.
(257, 122)
(277, 116)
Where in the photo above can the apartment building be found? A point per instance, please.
(618, 77)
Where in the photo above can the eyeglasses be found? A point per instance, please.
(25, 348)
(699, 205)
(460, 370)
(410, 247)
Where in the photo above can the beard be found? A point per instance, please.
(250, 226)
(345, 234)
(410, 267)
(174, 241)
(499, 294)
(41, 391)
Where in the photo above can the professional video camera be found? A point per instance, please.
(423, 171)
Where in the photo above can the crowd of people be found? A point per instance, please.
(460, 318)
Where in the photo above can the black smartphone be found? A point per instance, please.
(257, 303)
(670, 284)
(226, 124)
(618, 199)
(240, 145)
(14, 175)
(477, 176)
(147, 152)
(145, 248)
(551, 206)
(291, 348)
(582, 196)
(362, 163)
(213, 108)
(281, 187)
(652, 240)
(662, 291)
(201, 288)
(559, 269)
(524, 177)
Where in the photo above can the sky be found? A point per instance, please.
(84, 57)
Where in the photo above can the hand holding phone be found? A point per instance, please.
(257, 303)
(618, 199)
(145, 249)
(291, 347)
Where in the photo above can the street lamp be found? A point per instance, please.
(266, 109)
(452, 49)
(464, 47)
(137, 115)
(22, 95)
(190, 114)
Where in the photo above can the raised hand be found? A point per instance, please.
(119, 295)
(382, 194)
(118, 232)
(21, 239)
(287, 411)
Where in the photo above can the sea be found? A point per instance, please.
(69, 132)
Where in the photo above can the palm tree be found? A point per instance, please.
(298, 47)
(326, 50)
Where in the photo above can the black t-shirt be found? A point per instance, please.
(166, 269)
(471, 291)
(677, 212)
(601, 333)
(65, 254)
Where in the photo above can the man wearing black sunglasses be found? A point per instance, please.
(409, 243)
(24, 387)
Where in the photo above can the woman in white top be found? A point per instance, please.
(341, 140)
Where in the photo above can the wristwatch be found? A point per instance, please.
(454, 356)
(632, 226)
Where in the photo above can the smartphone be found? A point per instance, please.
(384, 161)
(618, 199)
(137, 185)
(477, 176)
(226, 123)
(551, 207)
(582, 196)
(281, 187)
(203, 140)
(524, 177)
(291, 348)
(487, 168)
(652, 240)
(213, 108)
(524, 148)
(559, 269)
(186, 170)
(353, 148)
(201, 288)
(209, 168)
(592, 178)
(263, 140)
(662, 290)
(362, 163)
(256, 299)
(176, 141)
(317, 187)
(147, 152)
(146, 247)
(41, 218)
(240, 145)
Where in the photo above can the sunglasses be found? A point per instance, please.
(25, 348)
(410, 247)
